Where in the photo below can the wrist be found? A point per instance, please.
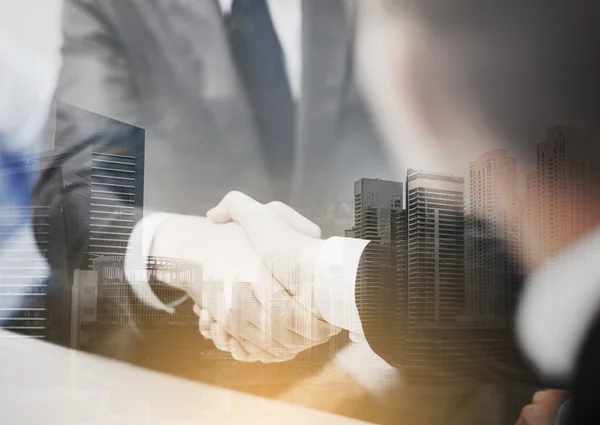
(315, 246)
(163, 239)
(182, 237)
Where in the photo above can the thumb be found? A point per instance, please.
(222, 213)
(265, 229)
(233, 207)
(295, 220)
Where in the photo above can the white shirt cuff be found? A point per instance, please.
(335, 281)
(138, 250)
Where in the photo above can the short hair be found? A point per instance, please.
(525, 64)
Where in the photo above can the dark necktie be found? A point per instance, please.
(260, 62)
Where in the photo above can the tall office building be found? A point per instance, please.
(529, 215)
(377, 207)
(492, 236)
(374, 193)
(112, 169)
(443, 348)
(435, 248)
(563, 190)
(113, 199)
(106, 186)
(401, 311)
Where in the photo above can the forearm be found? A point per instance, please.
(221, 252)
(366, 293)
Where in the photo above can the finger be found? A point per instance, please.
(285, 338)
(251, 323)
(252, 320)
(288, 311)
(227, 211)
(223, 212)
(213, 300)
(295, 220)
(256, 219)
(205, 333)
(291, 324)
(258, 354)
(261, 339)
(533, 414)
(204, 330)
(238, 352)
(205, 320)
(551, 398)
(205, 323)
(219, 337)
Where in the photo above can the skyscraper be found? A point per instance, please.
(435, 248)
(115, 185)
(106, 192)
(443, 347)
(491, 235)
(112, 168)
(563, 190)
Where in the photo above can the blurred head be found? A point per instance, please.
(447, 79)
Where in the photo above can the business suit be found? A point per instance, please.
(464, 369)
(166, 67)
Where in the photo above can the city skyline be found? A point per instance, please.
(449, 287)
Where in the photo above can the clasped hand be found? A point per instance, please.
(256, 300)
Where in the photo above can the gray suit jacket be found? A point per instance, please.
(165, 66)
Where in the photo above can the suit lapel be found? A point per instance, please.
(327, 31)
(189, 50)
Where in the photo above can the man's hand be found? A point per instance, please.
(289, 254)
(543, 408)
(266, 322)
(268, 329)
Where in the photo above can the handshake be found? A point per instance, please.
(257, 296)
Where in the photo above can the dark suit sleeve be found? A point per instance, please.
(377, 300)
(428, 351)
